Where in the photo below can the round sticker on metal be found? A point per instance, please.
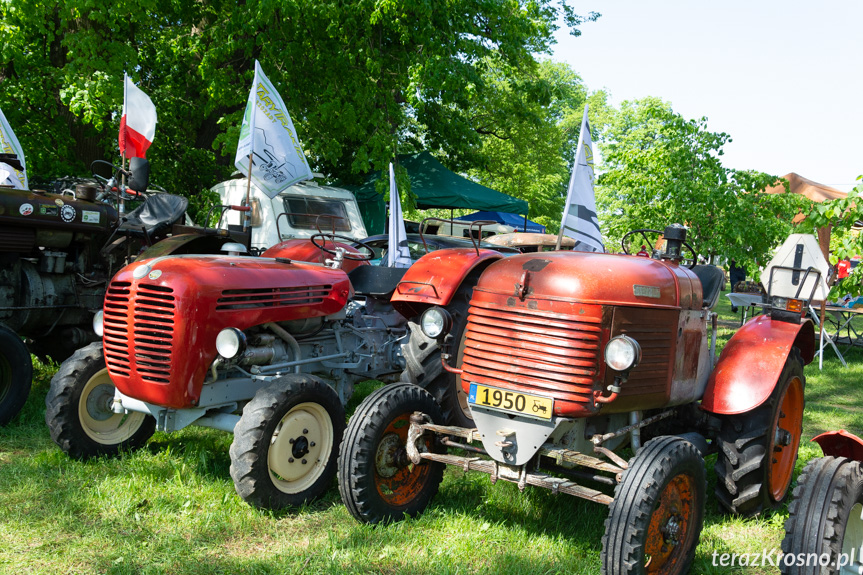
(155, 274)
(26, 209)
(67, 213)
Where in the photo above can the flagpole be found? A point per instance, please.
(248, 215)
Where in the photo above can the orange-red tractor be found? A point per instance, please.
(593, 375)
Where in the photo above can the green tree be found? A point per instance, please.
(531, 155)
(362, 79)
(659, 168)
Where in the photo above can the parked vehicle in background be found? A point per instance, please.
(824, 529)
(419, 245)
(294, 213)
(559, 360)
(527, 242)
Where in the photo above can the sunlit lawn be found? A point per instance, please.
(171, 508)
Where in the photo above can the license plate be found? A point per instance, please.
(511, 401)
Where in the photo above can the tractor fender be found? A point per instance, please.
(435, 277)
(751, 362)
(186, 244)
(303, 250)
(840, 444)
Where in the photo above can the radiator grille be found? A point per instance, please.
(254, 298)
(144, 346)
(551, 355)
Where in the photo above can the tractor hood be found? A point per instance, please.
(593, 278)
(162, 315)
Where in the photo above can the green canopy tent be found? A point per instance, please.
(434, 187)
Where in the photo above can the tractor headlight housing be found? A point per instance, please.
(98, 323)
(622, 353)
(231, 342)
(436, 322)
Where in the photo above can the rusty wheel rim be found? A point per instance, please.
(785, 439)
(397, 480)
(670, 526)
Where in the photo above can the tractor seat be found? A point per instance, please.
(154, 217)
(376, 281)
(712, 281)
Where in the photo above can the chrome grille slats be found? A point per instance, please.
(548, 353)
(233, 299)
(145, 346)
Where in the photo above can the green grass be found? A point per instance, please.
(171, 508)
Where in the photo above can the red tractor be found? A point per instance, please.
(824, 530)
(265, 347)
(562, 360)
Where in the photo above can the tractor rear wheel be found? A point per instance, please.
(16, 374)
(658, 509)
(826, 517)
(424, 362)
(79, 414)
(377, 481)
(286, 442)
(758, 449)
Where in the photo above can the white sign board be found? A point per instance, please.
(801, 252)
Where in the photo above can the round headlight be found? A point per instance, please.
(230, 342)
(98, 323)
(622, 353)
(435, 322)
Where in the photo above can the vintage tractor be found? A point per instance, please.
(57, 253)
(824, 529)
(564, 358)
(265, 347)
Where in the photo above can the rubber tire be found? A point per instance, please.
(422, 355)
(254, 434)
(360, 483)
(16, 374)
(743, 442)
(636, 498)
(826, 492)
(62, 409)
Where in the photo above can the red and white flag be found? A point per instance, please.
(138, 124)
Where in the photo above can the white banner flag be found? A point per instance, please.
(398, 254)
(10, 175)
(579, 214)
(268, 135)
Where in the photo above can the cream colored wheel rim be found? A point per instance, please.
(852, 542)
(97, 420)
(300, 447)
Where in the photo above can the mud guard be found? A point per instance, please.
(435, 277)
(841, 444)
(751, 362)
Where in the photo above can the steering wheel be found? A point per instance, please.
(642, 233)
(347, 255)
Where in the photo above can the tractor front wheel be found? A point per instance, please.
(377, 480)
(826, 518)
(286, 442)
(658, 509)
(16, 374)
(79, 414)
(758, 449)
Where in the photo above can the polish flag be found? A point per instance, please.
(138, 124)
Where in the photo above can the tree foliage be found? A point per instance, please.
(362, 80)
(659, 168)
(532, 155)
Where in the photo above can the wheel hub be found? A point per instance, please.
(391, 456)
(301, 446)
(99, 402)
